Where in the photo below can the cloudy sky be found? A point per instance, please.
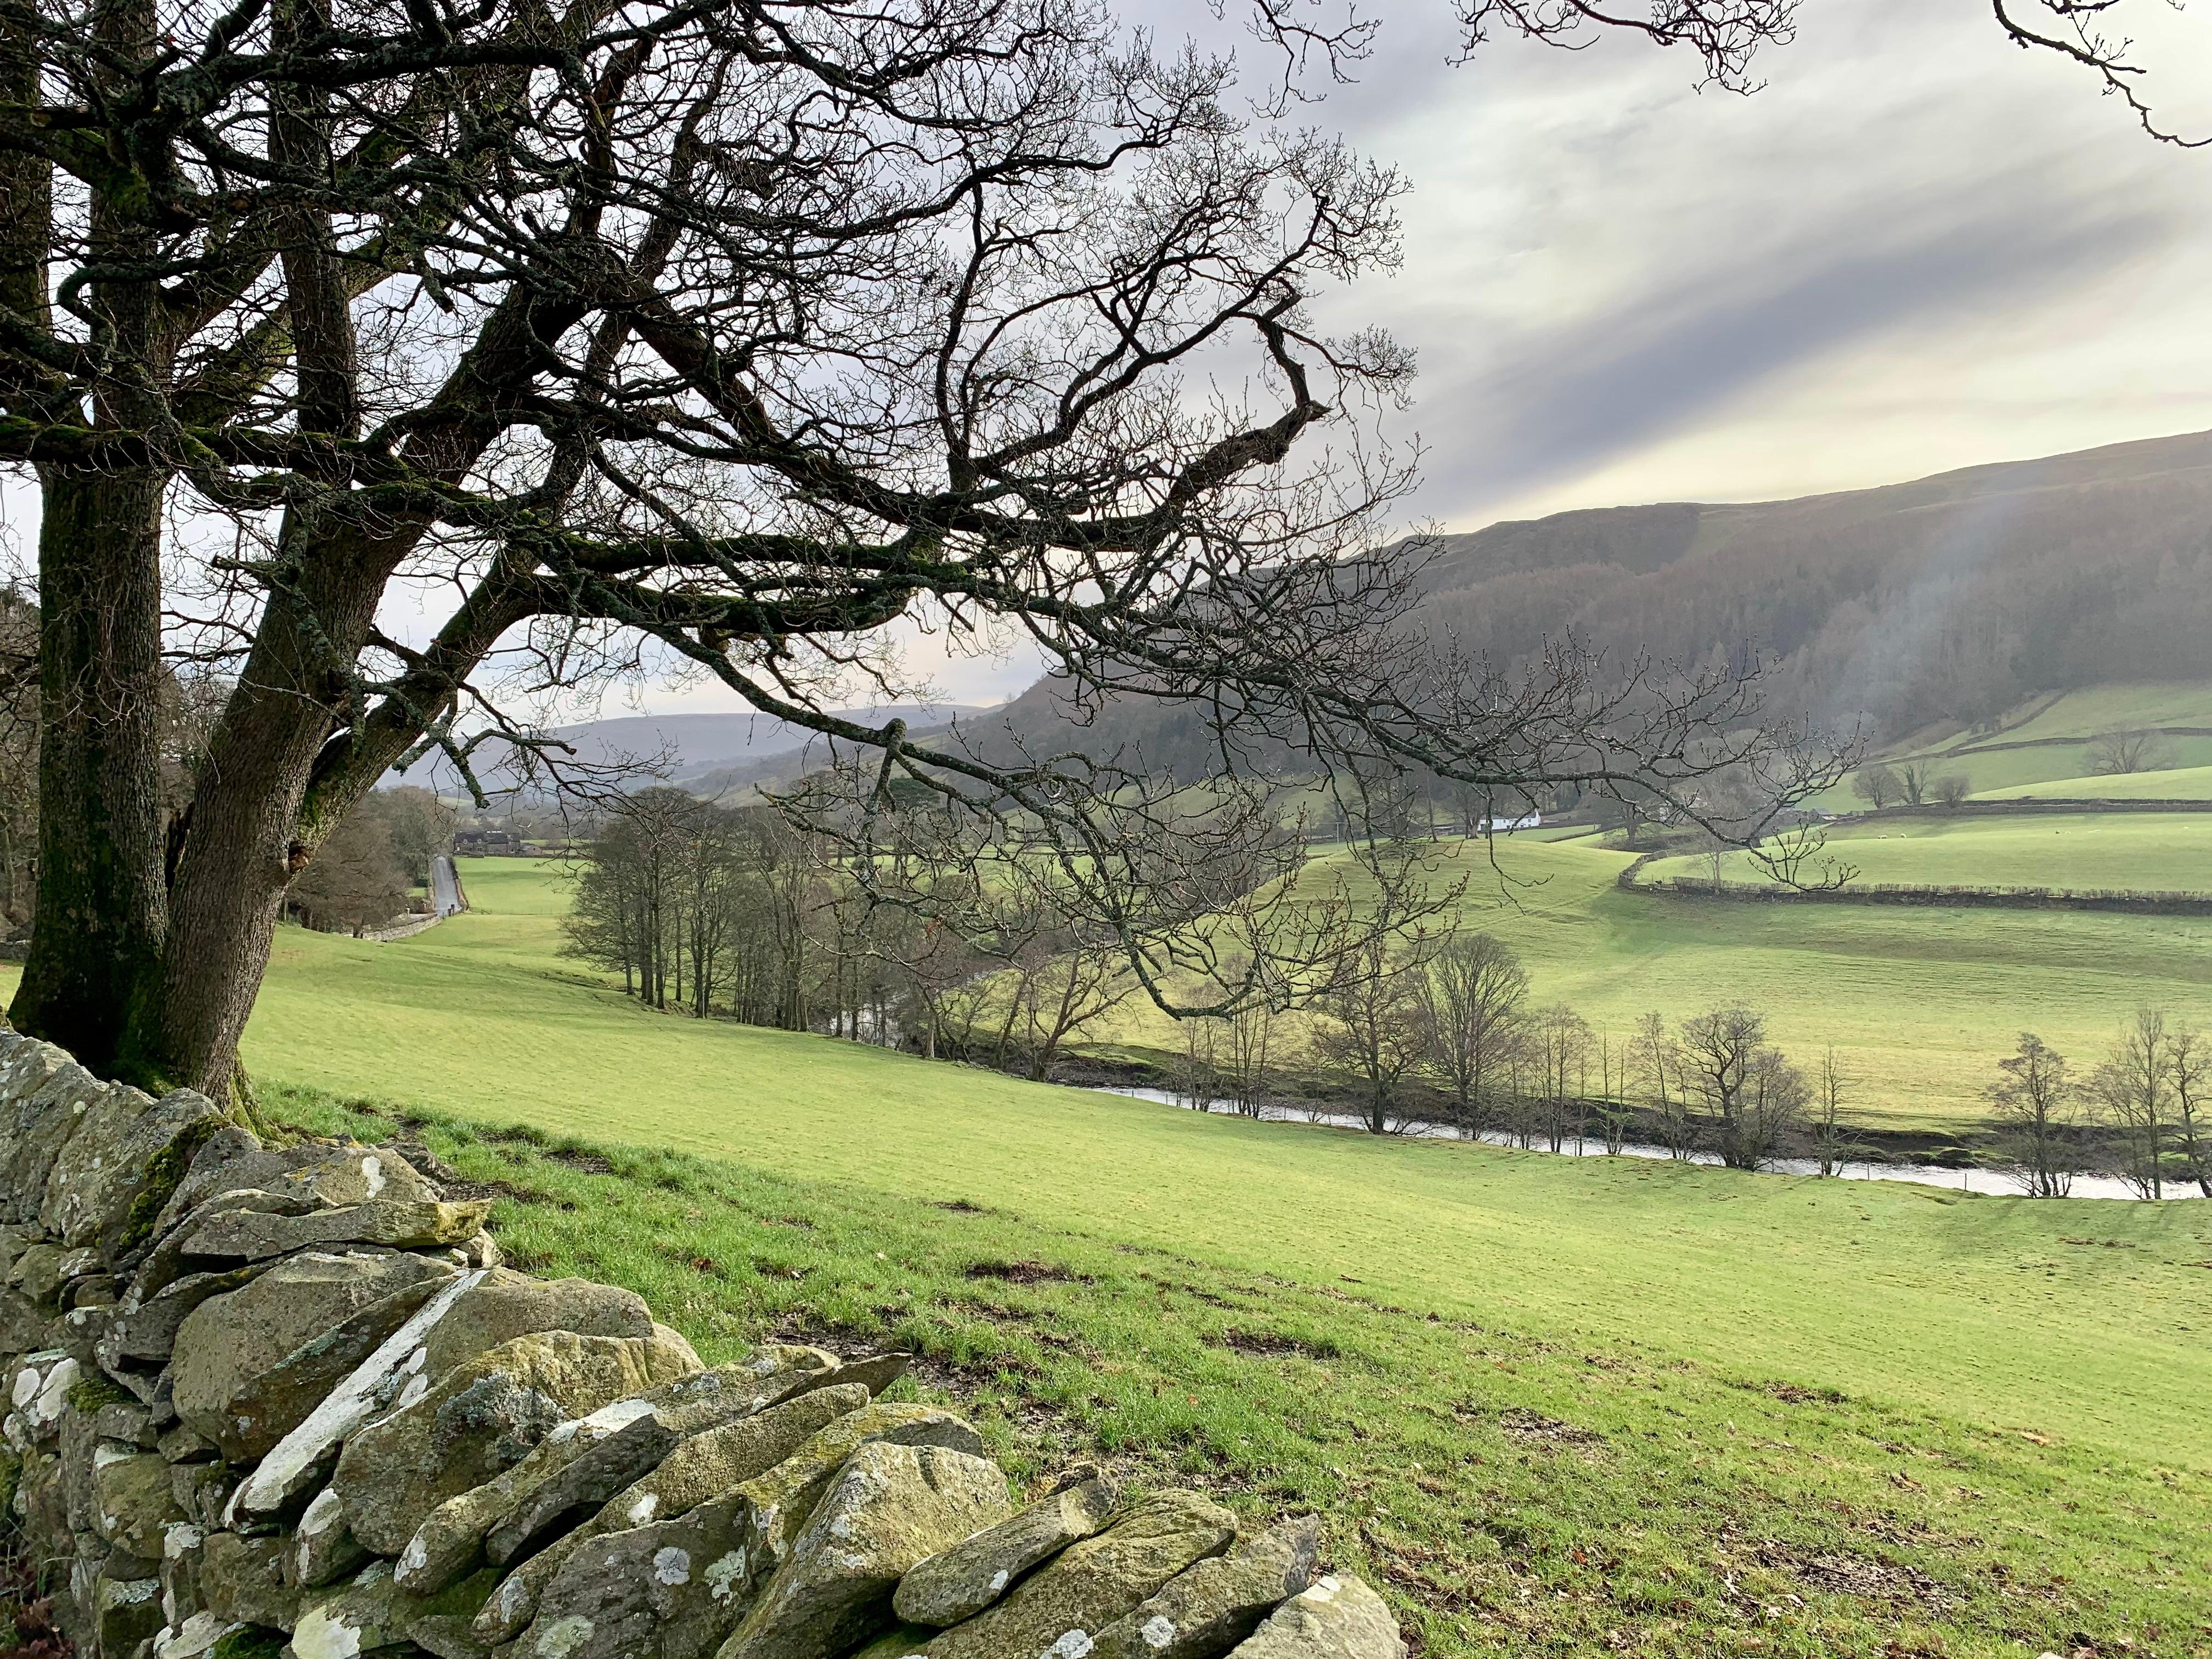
(1915, 247)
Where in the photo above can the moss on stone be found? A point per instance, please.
(164, 1172)
(95, 1389)
(249, 1642)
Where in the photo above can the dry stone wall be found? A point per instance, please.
(286, 1400)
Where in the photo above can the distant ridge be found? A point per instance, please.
(709, 754)
(1946, 598)
(1937, 603)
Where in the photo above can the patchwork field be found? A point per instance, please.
(1919, 1003)
(1553, 1405)
(2051, 739)
(2170, 783)
(2128, 852)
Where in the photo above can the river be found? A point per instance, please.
(1925, 1175)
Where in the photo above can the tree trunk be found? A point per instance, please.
(95, 963)
(251, 828)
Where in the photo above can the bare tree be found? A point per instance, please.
(1559, 1041)
(1616, 1113)
(1725, 38)
(2136, 1086)
(1914, 780)
(1876, 785)
(422, 827)
(1656, 1061)
(1245, 1055)
(1068, 992)
(1198, 1079)
(2119, 751)
(354, 882)
(1369, 1032)
(1834, 1144)
(1774, 1106)
(2038, 1110)
(2191, 1069)
(1952, 789)
(1472, 995)
(1369, 1027)
(1754, 1095)
(728, 335)
(936, 964)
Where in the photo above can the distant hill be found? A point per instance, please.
(695, 743)
(1948, 600)
(1928, 607)
(709, 753)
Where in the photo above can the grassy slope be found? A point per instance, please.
(2077, 715)
(2138, 852)
(2169, 783)
(1919, 1003)
(1556, 1405)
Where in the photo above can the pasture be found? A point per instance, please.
(1919, 1003)
(2125, 852)
(2167, 783)
(2051, 739)
(1553, 1405)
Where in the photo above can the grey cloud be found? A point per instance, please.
(1564, 399)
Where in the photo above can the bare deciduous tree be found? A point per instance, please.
(2037, 1108)
(2119, 751)
(1656, 1061)
(1472, 996)
(2136, 1086)
(2191, 1066)
(355, 881)
(1726, 36)
(1875, 785)
(1834, 1144)
(730, 334)
(1246, 1056)
(1754, 1097)
(1559, 1042)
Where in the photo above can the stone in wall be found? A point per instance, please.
(284, 1403)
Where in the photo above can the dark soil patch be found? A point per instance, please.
(460, 1192)
(1024, 1272)
(960, 1207)
(1535, 1426)
(1868, 1578)
(1272, 1345)
(1796, 1394)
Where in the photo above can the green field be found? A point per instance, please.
(1919, 1002)
(2171, 783)
(2050, 739)
(2128, 852)
(1552, 1405)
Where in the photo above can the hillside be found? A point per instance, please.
(711, 753)
(1552, 1404)
(1919, 1003)
(1943, 603)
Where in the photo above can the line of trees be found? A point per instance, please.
(742, 913)
(1447, 1035)
(2140, 1114)
(1909, 783)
